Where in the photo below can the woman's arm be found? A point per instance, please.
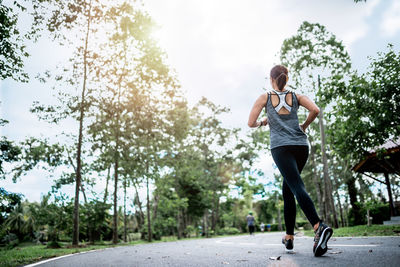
(311, 107)
(256, 110)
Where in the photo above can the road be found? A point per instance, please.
(257, 250)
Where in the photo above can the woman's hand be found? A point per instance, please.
(264, 121)
(303, 128)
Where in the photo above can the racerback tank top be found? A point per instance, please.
(284, 128)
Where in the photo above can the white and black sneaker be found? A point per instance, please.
(288, 245)
(322, 235)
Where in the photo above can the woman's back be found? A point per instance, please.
(281, 109)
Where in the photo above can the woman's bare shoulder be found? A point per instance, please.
(299, 96)
(263, 97)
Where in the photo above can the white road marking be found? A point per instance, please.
(338, 245)
(63, 256)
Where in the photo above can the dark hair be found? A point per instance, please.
(279, 73)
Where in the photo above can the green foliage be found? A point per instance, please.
(9, 153)
(11, 44)
(95, 220)
(314, 51)
(228, 231)
(366, 107)
(379, 212)
(14, 37)
(34, 151)
(8, 201)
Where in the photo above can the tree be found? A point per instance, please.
(13, 37)
(366, 111)
(84, 17)
(311, 53)
(367, 107)
(136, 96)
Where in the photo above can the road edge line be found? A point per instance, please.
(63, 256)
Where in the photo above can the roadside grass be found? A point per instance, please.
(363, 230)
(27, 253)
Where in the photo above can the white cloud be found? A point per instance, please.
(370, 6)
(391, 19)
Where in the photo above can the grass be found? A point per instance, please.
(27, 253)
(364, 230)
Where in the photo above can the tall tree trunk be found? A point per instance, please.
(83, 193)
(125, 219)
(389, 189)
(179, 224)
(213, 212)
(352, 189)
(205, 219)
(89, 228)
(140, 205)
(338, 201)
(107, 181)
(149, 233)
(75, 234)
(116, 156)
(217, 213)
(317, 181)
(155, 207)
(115, 216)
(328, 184)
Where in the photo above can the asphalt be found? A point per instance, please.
(259, 250)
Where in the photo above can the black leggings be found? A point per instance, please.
(251, 229)
(290, 161)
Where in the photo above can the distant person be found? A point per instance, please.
(289, 149)
(250, 222)
(262, 227)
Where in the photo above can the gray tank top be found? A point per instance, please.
(284, 128)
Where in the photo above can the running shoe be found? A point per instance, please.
(288, 245)
(322, 235)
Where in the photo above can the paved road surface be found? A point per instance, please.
(243, 251)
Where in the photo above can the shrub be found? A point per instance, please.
(10, 240)
(274, 227)
(379, 212)
(190, 230)
(228, 231)
(305, 224)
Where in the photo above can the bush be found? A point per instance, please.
(305, 224)
(133, 237)
(274, 227)
(191, 231)
(379, 212)
(10, 240)
(53, 244)
(228, 231)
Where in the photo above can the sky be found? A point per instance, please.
(220, 49)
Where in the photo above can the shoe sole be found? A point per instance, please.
(322, 246)
(289, 251)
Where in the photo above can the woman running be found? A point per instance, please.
(289, 149)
